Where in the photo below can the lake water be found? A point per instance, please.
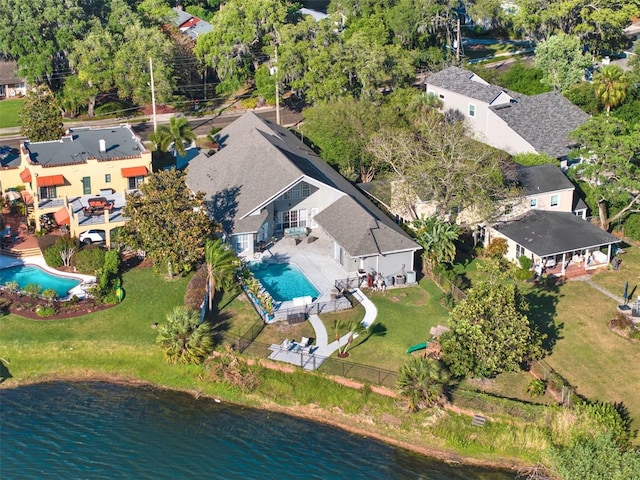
(68, 430)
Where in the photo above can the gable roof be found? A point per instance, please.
(260, 160)
(539, 179)
(9, 72)
(548, 233)
(84, 143)
(461, 81)
(544, 121)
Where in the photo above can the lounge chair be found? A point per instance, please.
(304, 343)
(286, 343)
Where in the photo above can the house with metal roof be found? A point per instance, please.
(264, 182)
(62, 177)
(506, 120)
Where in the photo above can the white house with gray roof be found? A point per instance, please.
(510, 121)
(264, 180)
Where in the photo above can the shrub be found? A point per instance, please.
(109, 108)
(523, 274)
(33, 290)
(497, 248)
(45, 311)
(249, 103)
(536, 388)
(525, 262)
(448, 300)
(50, 295)
(197, 289)
(89, 260)
(11, 287)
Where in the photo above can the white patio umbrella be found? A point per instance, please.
(12, 195)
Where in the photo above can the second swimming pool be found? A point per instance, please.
(28, 274)
(283, 281)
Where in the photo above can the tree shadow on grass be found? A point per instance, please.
(376, 330)
(543, 300)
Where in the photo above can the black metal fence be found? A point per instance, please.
(244, 341)
(326, 365)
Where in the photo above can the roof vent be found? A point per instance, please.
(103, 145)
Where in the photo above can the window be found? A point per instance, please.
(301, 190)
(519, 251)
(441, 96)
(241, 243)
(107, 178)
(86, 185)
(554, 200)
(472, 110)
(533, 203)
(292, 218)
(135, 182)
(47, 193)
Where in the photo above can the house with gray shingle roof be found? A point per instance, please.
(510, 121)
(548, 223)
(264, 180)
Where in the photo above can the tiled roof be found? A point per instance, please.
(259, 160)
(84, 143)
(547, 233)
(544, 121)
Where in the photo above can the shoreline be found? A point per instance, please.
(303, 412)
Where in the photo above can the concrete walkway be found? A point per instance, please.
(325, 349)
(606, 292)
(312, 359)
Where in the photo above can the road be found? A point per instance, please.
(200, 125)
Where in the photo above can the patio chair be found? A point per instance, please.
(304, 343)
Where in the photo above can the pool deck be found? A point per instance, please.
(314, 259)
(317, 263)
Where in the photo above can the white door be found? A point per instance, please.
(312, 222)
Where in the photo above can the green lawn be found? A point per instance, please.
(405, 316)
(9, 110)
(629, 271)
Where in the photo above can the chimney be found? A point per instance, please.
(103, 145)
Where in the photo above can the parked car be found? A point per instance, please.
(92, 236)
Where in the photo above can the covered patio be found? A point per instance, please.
(561, 242)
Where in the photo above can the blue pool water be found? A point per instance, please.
(26, 274)
(283, 281)
(80, 430)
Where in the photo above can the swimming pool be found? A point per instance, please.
(283, 281)
(26, 274)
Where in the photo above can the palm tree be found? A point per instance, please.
(437, 238)
(222, 264)
(355, 328)
(424, 382)
(610, 86)
(161, 139)
(180, 133)
(183, 338)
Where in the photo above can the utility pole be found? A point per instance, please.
(153, 97)
(277, 90)
(458, 38)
